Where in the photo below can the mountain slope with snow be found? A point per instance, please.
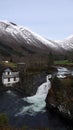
(67, 43)
(19, 40)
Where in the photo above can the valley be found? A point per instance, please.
(29, 102)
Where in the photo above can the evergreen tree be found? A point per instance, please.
(50, 59)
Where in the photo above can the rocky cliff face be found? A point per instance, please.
(60, 97)
(29, 83)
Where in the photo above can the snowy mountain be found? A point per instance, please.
(67, 43)
(20, 40)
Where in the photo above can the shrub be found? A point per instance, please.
(3, 120)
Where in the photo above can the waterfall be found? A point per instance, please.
(36, 102)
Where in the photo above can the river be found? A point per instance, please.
(31, 111)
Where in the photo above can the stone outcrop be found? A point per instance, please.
(60, 97)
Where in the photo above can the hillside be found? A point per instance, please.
(60, 97)
(20, 43)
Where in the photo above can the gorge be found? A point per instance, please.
(31, 111)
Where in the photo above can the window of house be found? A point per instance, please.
(14, 78)
(8, 79)
(8, 73)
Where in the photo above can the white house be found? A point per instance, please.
(9, 78)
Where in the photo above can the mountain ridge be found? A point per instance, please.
(21, 41)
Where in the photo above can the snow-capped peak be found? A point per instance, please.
(31, 40)
(25, 33)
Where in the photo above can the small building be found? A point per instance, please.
(5, 61)
(9, 77)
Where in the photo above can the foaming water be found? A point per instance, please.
(36, 102)
(63, 72)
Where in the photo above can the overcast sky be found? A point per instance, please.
(52, 19)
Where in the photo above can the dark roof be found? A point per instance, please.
(8, 70)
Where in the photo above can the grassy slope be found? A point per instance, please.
(63, 62)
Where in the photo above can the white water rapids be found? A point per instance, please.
(64, 72)
(36, 102)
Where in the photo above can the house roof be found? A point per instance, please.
(8, 70)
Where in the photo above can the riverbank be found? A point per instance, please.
(29, 85)
(63, 63)
(60, 97)
(29, 81)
